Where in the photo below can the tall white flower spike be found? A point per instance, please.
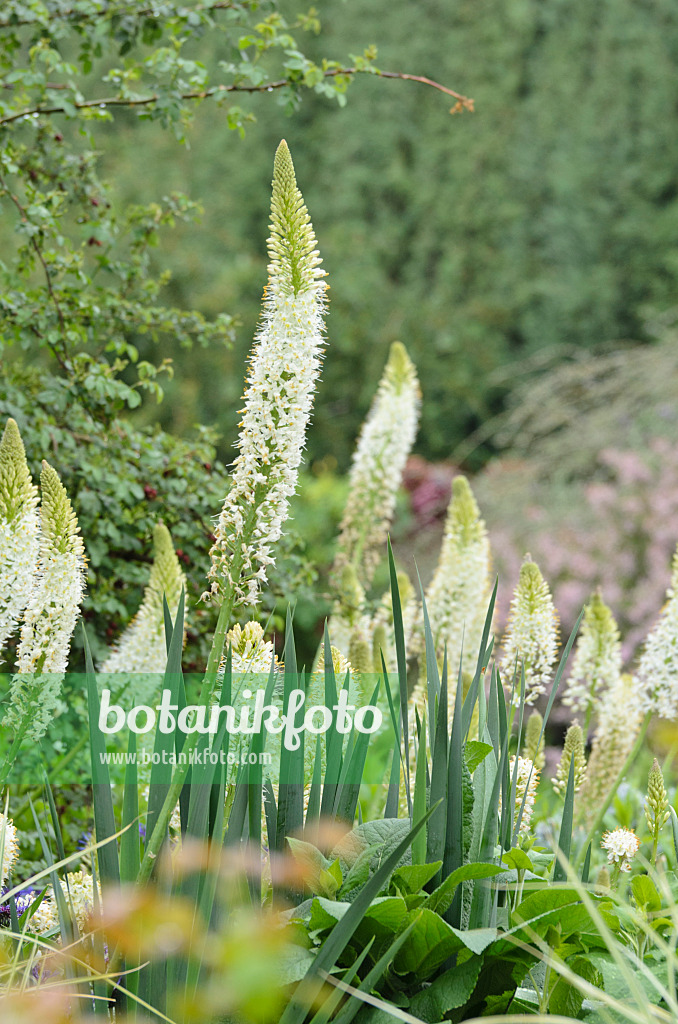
(284, 369)
(142, 648)
(384, 444)
(531, 638)
(658, 667)
(19, 531)
(52, 612)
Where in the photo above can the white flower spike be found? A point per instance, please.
(142, 648)
(459, 593)
(284, 369)
(597, 662)
(384, 444)
(19, 531)
(531, 638)
(52, 612)
(658, 668)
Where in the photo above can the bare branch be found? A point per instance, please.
(462, 102)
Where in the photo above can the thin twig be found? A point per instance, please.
(462, 102)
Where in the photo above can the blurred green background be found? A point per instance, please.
(549, 217)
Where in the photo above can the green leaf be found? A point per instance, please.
(340, 936)
(475, 752)
(442, 897)
(565, 837)
(292, 964)
(451, 990)
(104, 815)
(411, 878)
(477, 939)
(311, 860)
(419, 806)
(431, 941)
(645, 893)
(384, 832)
(401, 659)
(518, 859)
(358, 873)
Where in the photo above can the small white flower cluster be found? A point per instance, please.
(622, 845)
(384, 444)
(527, 778)
(531, 638)
(284, 369)
(78, 890)
(19, 531)
(597, 661)
(9, 845)
(250, 652)
(142, 648)
(658, 667)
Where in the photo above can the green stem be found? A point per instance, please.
(613, 788)
(13, 751)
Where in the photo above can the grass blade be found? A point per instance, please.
(104, 815)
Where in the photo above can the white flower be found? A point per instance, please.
(622, 845)
(284, 369)
(19, 531)
(574, 748)
(142, 648)
(10, 847)
(52, 612)
(597, 660)
(531, 638)
(658, 668)
(44, 918)
(459, 593)
(250, 652)
(78, 888)
(527, 778)
(384, 444)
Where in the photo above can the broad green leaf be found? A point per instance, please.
(341, 935)
(411, 878)
(451, 990)
(292, 964)
(475, 752)
(441, 898)
(645, 893)
(430, 943)
(518, 859)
